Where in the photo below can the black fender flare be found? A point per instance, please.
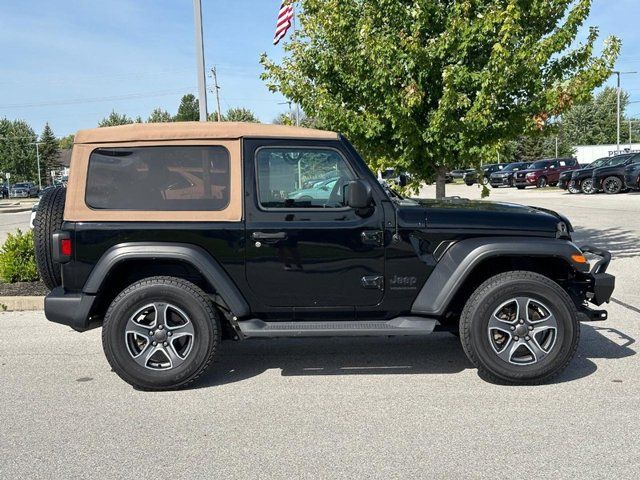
(460, 259)
(194, 255)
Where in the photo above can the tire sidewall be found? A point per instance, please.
(125, 305)
(492, 298)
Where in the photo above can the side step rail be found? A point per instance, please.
(414, 326)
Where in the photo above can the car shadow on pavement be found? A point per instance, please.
(439, 353)
(596, 342)
(620, 242)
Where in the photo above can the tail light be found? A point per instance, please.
(62, 247)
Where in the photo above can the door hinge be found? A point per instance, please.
(373, 281)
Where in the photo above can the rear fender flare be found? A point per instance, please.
(202, 261)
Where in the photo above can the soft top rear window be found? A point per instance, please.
(163, 178)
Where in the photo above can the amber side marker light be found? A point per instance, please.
(578, 258)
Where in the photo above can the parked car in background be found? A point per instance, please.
(472, 177)
(34, 211)
(632, 176)
(582, 179)
(544, 172)
(23, 190)
(610, 179)
(504, 177)
(459, 173)
(316, 195)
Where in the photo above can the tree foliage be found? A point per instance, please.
(159, 115)
(17, 150)
(66, 142)
(114, 119)
(237, 115)
(189, 110)
(49, 152)
(595, 122)
(424, 85)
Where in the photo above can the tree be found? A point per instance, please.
(159, 116)
(595, 122)
(17, 150)
(49, 151)
(114, 119)
(189, 109)
(424, 86)
(238, 115)
(66, 142)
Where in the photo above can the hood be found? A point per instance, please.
(464, 214)
(582, 171)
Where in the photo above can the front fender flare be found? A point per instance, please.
(202, 261)
(459, 261)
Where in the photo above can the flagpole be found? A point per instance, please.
(293, 24)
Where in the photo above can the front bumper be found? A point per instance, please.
(500, 181)
(600, 284)
(20, 194)
(72, 309)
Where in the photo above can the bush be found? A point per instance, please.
(18, 259)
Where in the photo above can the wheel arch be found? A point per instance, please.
(470, 262)
(191, 262)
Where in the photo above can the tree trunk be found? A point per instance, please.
(440, 183)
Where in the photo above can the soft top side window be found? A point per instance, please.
(301, 177)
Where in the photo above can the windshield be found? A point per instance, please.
(598, 163)
(514, 166)
(539, 164)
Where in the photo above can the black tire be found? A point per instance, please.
(49, 217)
(183, 299)
(612, 185)
(574, 190)
(542, 182)
(587, 187)
(512, 182)
(477, 337)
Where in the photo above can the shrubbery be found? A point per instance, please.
(18, 259)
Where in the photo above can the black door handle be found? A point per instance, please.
(269, 236)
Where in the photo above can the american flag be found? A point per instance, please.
(285, 16)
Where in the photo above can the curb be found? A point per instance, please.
(19, 304)
(15, 210)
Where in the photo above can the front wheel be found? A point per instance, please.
(612, 185)
(573, 190)
(519, 328)
(542, 182)
(161, 333)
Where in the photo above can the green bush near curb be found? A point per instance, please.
(18, 258)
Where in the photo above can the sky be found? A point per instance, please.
(71, 62)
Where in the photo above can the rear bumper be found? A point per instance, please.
(72, 309)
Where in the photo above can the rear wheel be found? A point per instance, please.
(161, 333)
(519, 328)
(612, 185)
(49, 217)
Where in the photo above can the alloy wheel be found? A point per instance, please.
(522, 331)
(159, 336)
(612, 185)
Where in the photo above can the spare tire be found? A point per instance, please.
(49, 217)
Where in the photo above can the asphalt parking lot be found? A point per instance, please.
(338, 408)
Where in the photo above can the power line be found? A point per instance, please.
(77, 101)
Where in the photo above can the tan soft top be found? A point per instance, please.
(196, 131)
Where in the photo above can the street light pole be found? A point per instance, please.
(618, 73)
(202, 82)
(38, 160)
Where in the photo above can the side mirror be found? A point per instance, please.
(402, 180)
(359, 194)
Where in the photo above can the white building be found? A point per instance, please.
(589, 153)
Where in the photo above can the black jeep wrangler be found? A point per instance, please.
(177, 236)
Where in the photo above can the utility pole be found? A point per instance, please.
(214, 74)
(556, 146)
(36, 143)
(618, 73)
(290, 110)
(202, 81)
